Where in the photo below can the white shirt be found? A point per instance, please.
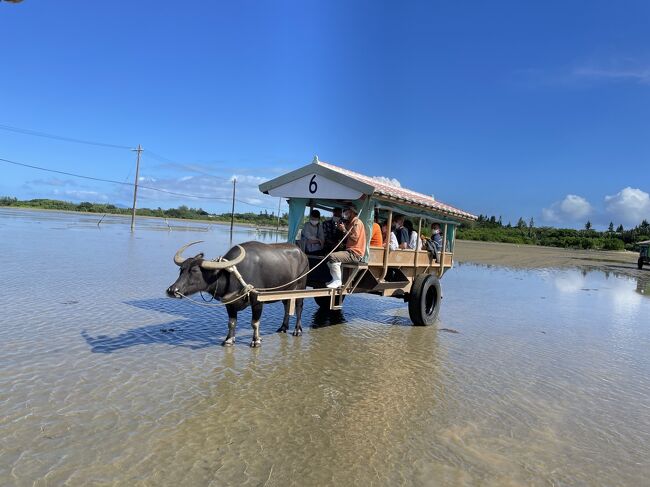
(392, 244)
(415, 243)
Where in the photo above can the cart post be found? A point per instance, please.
(389, 225)
(441, 271)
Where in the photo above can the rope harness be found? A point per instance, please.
(249, 288)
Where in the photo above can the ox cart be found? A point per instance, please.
(411, 275)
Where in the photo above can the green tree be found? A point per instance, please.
(620, 229)
(645, 226)
(610, 229)
(588, 225)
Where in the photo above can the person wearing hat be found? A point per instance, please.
(355, 246)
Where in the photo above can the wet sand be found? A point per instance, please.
(536, 257)
(530, 376)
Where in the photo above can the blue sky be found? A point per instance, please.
(508, 108)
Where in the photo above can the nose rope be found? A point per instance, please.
(249, 288)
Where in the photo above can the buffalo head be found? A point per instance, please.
(198, 274)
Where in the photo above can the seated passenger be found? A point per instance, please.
(436, 237)
(392, 244)
(312, 239)
(332, 233)
(414, 239)
(401, 233)
(355, 246)
(376, 240)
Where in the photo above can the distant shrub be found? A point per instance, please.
(613, 244)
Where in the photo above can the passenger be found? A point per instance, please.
(436, 237)
(392, 244)
(401, 233)
(332, 233)
(355, 246)
(312, 238)
(376, 240)
(414, 239)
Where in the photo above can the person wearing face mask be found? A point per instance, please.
(332, 233)
(355, 246)
(401, 233)
(436, 237)
(392, 243)
(312, 234)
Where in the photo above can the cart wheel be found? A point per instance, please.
(323, 302)
(640, 263)
(424, 300)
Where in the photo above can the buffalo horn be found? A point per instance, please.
(178, 257)
(214, 265)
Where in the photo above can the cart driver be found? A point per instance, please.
(355, 246)
(332, 233)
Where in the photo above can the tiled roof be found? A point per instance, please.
(400, 194)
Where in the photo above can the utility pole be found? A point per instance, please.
(135, 185)
(277, 228)
(232, 212)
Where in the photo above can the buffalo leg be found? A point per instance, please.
(255, 323)
(285, 320)
(232, 324)
(297, 331)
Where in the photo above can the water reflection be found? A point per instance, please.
(643, 286)
(324, 317)
(620, 284)
(101, 377)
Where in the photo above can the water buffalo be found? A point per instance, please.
(260, 265)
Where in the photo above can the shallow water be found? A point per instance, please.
(529, 378)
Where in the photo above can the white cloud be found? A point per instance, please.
(628, 71)
(571, 209)
(629, 206)
(54, 181)
(385, 180)
(634, 74)
(81, 195)
(210, 192)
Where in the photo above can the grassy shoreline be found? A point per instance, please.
(538, 257)
(241, 223)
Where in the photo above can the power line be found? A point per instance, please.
(65, 173)
(164, 159)
(36, 133)
(124, 183)
(110, 181)
(160, 158)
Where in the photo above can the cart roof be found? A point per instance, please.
(340, 183)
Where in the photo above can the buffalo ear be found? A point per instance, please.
(199, 256)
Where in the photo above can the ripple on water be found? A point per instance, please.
(104, 380)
